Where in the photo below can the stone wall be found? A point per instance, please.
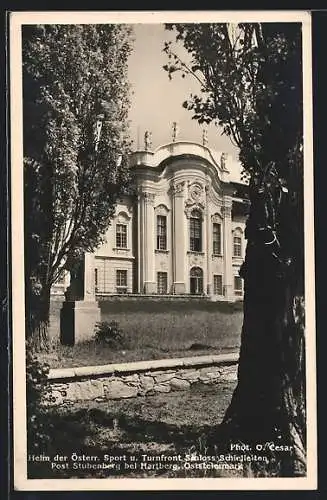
(150, 297)
(139, 379)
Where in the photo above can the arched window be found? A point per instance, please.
(122, 237)
(238, 285)
(161, 232)
(196, 281)
(196, 231)
(161, 213)
(237, 243)
(216, 238)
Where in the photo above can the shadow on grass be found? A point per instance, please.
(162, 425)
(93, 434)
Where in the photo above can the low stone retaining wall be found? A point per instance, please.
(101, 383)
(127, 297)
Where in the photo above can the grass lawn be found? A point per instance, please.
(154, 330)
(166, 424)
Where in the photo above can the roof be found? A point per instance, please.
(228, 169)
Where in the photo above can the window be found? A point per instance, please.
(121, 281)
(121, 236)
(96, 279)
(195, 231)
(218, 284)
(237, 246)
(196, 281)
(161, 232)
(216, 239)
(238, 285)
(162, 283)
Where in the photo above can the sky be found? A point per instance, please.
(157, 101)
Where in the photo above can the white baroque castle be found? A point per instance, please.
(183, 233)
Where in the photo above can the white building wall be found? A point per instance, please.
(109, 257)
(238, 229)
(124, 214)
(174, 191)
(106, 269)
(163, 257)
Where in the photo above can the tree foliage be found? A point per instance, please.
(250, 78)
(75, 86)
(38, 395)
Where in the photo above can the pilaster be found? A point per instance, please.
(179, 237)
(80, 311)
(208, 246)
(228, 249)
(89, 277)
(147, 242)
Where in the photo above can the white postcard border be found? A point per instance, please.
(17, 19)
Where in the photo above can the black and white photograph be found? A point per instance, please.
(163, 298)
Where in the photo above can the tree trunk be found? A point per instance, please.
(269, 401)
(268, 404)
(37, 316)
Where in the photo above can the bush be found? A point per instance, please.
(109, 334)
(37, 395)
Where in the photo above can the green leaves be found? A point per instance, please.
(250, 83)
(72, 73)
